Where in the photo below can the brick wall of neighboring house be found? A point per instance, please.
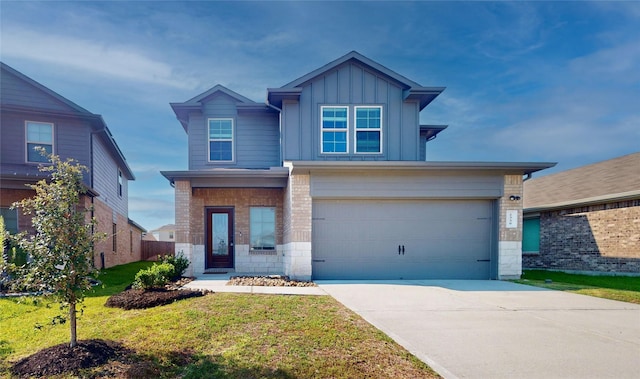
(10, 196)
(601, 238)
(241, 199)
(106, 218)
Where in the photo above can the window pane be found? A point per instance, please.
(220, 151)
(334, 118)
(368, 118)
(334, 142)
(220, 129)
(262, 227)
(34, 155)
(10, 217)
(38, 132)
(368, 142)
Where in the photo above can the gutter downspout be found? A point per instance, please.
(279, 127)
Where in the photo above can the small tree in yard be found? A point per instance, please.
(61, 249)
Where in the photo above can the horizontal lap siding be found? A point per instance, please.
(256, 135)
(105, 176)
(16, 92)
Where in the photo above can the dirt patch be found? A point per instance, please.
(61, 358)
(141, 299)
(268, 281)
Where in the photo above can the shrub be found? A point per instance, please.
(179, 263)
(155, 276)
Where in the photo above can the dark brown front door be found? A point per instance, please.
(219, 237)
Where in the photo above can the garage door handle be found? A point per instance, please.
(318, 260)
(484, 260)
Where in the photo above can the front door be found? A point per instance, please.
(219, 237)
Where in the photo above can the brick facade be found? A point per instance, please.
(297, 227)
(598, 238)
(190, 225)
(124, 238)
(127, 240)
(510, 239)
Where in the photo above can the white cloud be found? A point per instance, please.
(93, 56)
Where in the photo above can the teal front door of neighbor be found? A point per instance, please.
(219, 237)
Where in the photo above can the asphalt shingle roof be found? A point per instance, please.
(614, 178)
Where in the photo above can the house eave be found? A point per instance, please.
(274, 177)
(507, 167)
(623, 196)
(424, 95)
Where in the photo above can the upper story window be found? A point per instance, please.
(220, 140)
(335, 127)
(368, 130)
(39, 134)
(119, 183)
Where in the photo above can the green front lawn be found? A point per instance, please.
(220, 335)
(622, 288)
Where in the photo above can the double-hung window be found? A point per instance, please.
(220, 140)
(368, 129)
(262, 226)
(335, 121)
(39, 134)
(120, 183)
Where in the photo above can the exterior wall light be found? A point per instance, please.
(514, 197)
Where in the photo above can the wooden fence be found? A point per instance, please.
(151, 249)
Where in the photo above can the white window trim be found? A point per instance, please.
(322, 130)
(356, 130)
(233, 140)
(26, 140)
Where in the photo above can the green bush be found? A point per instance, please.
(155, 276)
(179, 262)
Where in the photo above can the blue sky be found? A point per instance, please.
(526, 81)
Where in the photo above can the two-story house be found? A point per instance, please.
(32, 116)
(328, 180)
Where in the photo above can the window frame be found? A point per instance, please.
(38, 143)
(356, 129)
(15, 217)
(345, 130)
(253, 248)
(120, 182)
(232, 140)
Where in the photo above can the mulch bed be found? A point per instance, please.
(61, 358)
(141, 299)
(268, 281)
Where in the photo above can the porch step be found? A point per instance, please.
(219, 271)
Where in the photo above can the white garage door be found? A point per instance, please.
(391, 239)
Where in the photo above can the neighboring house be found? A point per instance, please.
(165, 233)
(328, 180)
(585, 219)
(33, 115)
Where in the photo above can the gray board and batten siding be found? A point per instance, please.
(256, 136)
(352, 84)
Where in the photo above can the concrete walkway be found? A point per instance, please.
(494, 329)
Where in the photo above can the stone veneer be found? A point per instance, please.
(510, 239)
(595, 238)
(297, 227)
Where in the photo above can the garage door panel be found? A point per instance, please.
(359, 239)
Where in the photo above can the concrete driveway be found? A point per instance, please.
(494, 329)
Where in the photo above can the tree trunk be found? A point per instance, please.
(72, 324)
